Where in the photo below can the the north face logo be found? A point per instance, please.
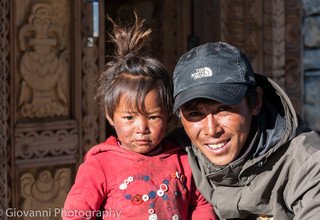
(201, 73)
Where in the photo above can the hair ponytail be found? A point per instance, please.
(131, 73)
(129, 40)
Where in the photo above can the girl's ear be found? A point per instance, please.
(258, 103)
(110, 120)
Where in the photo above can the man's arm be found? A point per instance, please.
(304, 192)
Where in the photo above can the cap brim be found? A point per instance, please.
(229, 94)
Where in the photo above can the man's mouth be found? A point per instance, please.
(217, 146)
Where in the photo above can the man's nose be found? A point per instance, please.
(211, 126)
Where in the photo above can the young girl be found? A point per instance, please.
(137, 174)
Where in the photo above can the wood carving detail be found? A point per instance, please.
(233, 23)
(241, 27)
(45, 192)
(46, 143)
(293, 58)
(43, 65)
(268, 31)
(274, 36)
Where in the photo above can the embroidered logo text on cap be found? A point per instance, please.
(201, 73)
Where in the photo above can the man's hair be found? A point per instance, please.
(251, 95)
(133, 74)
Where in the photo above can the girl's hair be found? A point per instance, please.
(133, 74)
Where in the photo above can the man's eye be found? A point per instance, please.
(153, 117)
(195, 114)
(226, 108)
(222, 108)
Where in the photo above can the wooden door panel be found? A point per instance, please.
(50, 118)
(45, 132)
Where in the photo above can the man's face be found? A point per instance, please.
(219, 131)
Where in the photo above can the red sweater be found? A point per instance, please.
(127, 185)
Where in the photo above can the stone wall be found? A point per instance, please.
(311, 62)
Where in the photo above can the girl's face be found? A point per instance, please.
(136, 131)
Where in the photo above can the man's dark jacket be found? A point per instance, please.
(277, 177)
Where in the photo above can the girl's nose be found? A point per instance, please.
(142, 126)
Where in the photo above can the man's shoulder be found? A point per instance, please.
(307, 141)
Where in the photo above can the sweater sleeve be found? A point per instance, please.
(304, 193)
(200, 208)
(88, 192)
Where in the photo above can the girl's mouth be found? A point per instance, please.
(143, 141)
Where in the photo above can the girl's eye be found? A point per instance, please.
(128, 118)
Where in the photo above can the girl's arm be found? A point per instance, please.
(200, 208)
(88, 192)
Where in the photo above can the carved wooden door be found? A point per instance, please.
(51, 53)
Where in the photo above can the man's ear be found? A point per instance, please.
(258, 102)
(109, 120)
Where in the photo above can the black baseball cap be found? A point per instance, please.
(217, 71)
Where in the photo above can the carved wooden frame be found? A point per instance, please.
(5, 146)
(92, 61)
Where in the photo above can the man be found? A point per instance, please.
(252, 157)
